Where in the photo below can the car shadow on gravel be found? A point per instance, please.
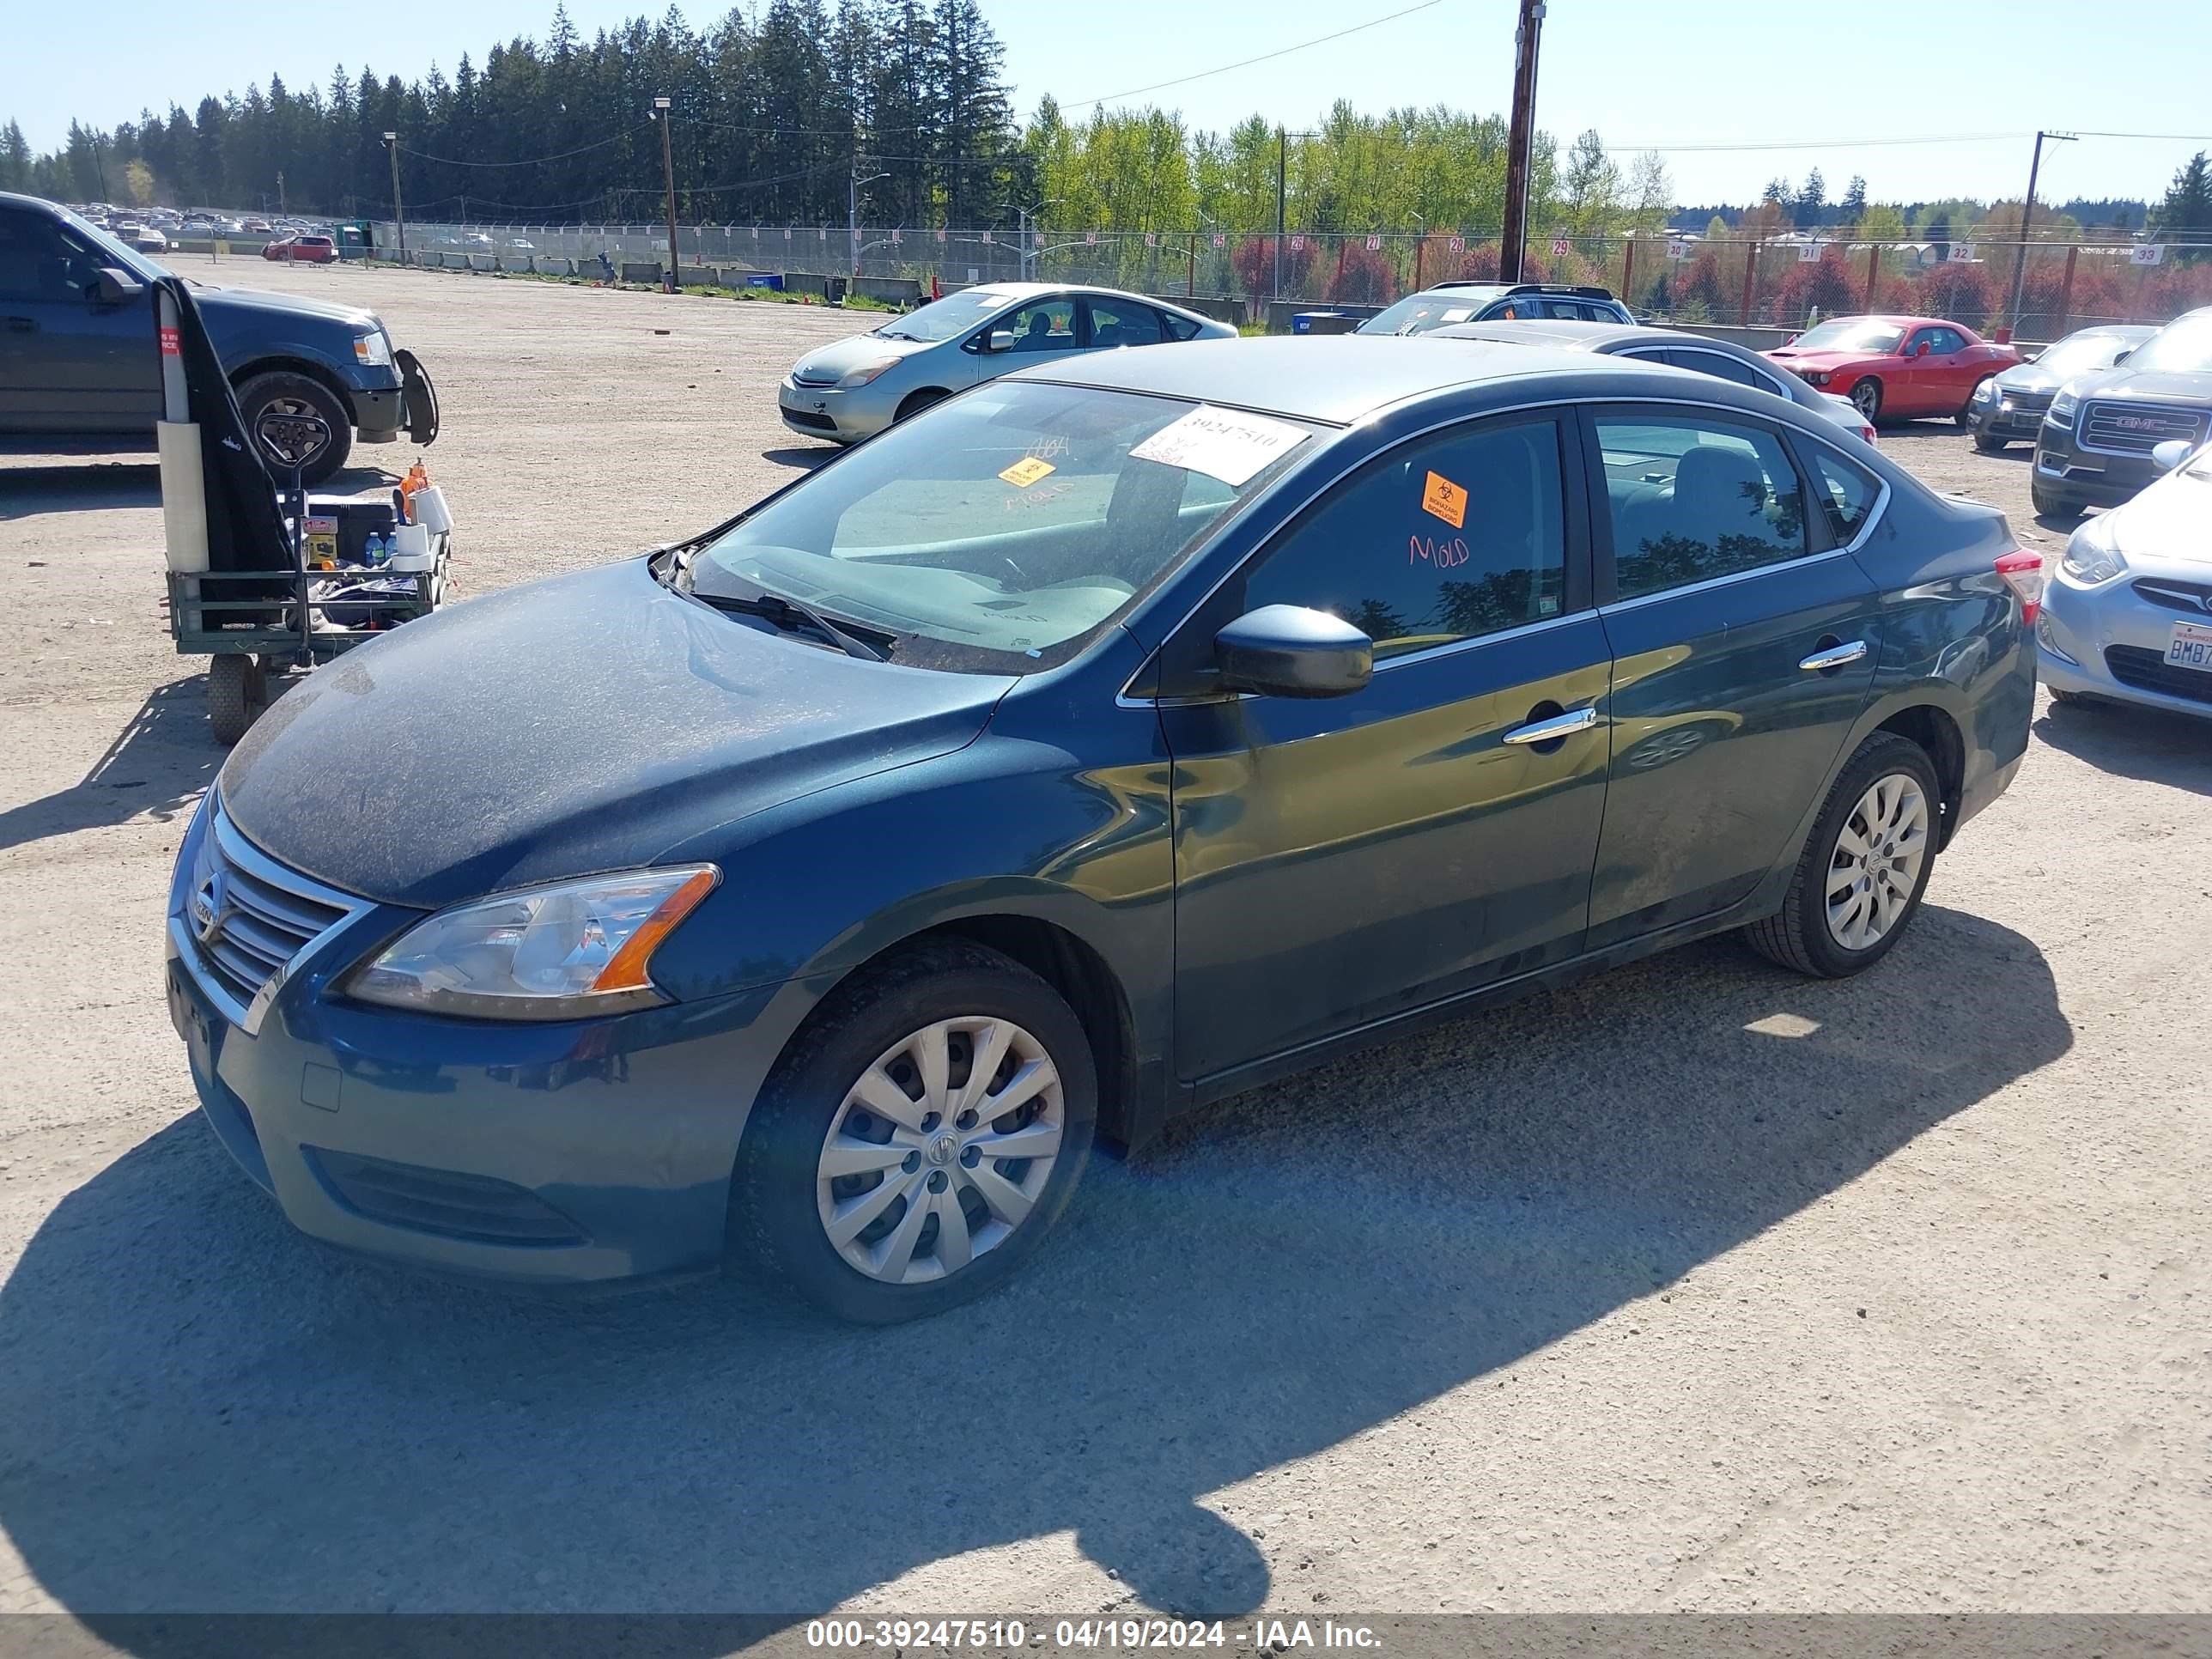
(160, 763)
(2128, 742)
(87, 486)
(200, 1412)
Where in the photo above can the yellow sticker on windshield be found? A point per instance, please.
(1027, 471)
(1445, 500)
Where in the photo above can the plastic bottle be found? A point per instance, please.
(376, 549)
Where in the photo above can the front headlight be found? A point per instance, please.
(1986, 392)
(867, 372)
(373, 350)
(1820, 377)
(2093, 553)
(2060, 412)
(562, 951)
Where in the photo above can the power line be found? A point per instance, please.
(535, 161)
(1247, 62)
(1830, 144)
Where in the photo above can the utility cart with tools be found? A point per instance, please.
(264, 578)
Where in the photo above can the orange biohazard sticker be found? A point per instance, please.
(1026, 471)
(1446, 499)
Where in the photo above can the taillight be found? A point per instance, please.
(2023, 573)
(1868, 433)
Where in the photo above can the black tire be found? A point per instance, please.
(773, 1215)
(1798, 935)
(914, 402)
(1988, 445)
(2071, 699)
(233, 697)
(1965, 416)
(1866, 395)
(2049, 503)
(281, 387)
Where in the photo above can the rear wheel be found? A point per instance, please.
(235, 696)
(918, 1141)
(1867, 397)
(1858, 882)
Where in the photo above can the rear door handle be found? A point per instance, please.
(1834, 656)
(1559, 725)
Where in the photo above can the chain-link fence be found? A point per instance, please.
(1773, 281)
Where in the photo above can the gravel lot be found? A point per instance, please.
(1697, 1286)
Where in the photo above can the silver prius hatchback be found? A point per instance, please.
(857, 387)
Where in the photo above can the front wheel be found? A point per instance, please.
(1965, 416)
(2050, 504)
(1858, 882)
(915, 1145)
(915, 402)
(282, 394)
(1988, 445)
(1866, 397)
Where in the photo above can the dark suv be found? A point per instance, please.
(2094, 447)
(80, 365)
(1486, 303)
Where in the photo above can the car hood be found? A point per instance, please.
(2151, 385)
(830, 363)
(588, 722)
(2163, 526)
(1790, 357)
(2031, 377)
(243, 303)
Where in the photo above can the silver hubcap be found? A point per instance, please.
(941, 1149)
(1875, 866)
(1867, 398)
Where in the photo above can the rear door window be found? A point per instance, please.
(1847, 493)
(1692, 496)
(1122, 323)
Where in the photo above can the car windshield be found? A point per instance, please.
(116, 252)
(942, 320)
(2077, 354)
(1000, 531)
(2182, 347)
(1417, 314)
(1849, 334)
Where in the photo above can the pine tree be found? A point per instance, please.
(1812, 202)
(2186, 215)
(1854, 207)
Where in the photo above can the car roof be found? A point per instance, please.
(1338, 379)
(1560, 332)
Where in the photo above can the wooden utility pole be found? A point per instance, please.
(399, 212)
(663, 111)
(1520, 138)
(2027, 215)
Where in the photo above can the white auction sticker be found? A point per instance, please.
(1459, 313)
(1221, 443)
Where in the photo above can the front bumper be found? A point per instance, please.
(821, 412)
(2088, 477)
(2001, 417)
(2106, 642)
(577, 1152)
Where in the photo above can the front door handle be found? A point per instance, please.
(21, 326)
(1834, 656)
(1558, 726)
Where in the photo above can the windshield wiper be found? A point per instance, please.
(793, 618)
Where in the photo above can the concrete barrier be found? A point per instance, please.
(697, 277)
(640, 271)
(452, 261)
(515, 262)
(807, 282)
(889, 291)
(484, 262)
(554, 264)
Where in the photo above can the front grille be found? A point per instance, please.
(2196, 597)
(2149, 671)
(2136, 428)
(807, 417)
(816, 377)
(447, 1201)
(248, 916)
(2028, 403)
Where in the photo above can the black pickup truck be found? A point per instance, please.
(80, 368)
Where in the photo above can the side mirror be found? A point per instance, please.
(998, 339)
(1289, 651)
(2172, 453)
(114, 287)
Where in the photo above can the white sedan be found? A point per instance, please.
(2129, 615)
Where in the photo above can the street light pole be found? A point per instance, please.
(663, 112)
(399, 212)
(1282, 169)
(1520, 138)
(852, 212)
(2027, 217)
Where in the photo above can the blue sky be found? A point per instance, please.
(1639, 72)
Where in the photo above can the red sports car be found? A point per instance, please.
(1896, 367)
(311, 250)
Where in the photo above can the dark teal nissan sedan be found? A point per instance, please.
(1104, 740)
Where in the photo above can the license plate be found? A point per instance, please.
(2190, 646)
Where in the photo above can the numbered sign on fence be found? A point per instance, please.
(1962, 253)
(2146, 253)
(1152, 239)
(1455, 244)
(1090, 239)
(986, 236)
(1808, 253)
(895, 239)
(1677, 248)
(1374, 245)
(1297, 245)
(1219, 241)
(940, 236)
(1561, 247)
(786, 232)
